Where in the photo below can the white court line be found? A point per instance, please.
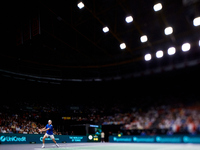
(179, 147)
(74, 146)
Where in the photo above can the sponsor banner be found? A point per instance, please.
(122, 139)
(13, 138)
(169, 139)
(72, 139)
(191, 139)
(155, 139)
(31, 138)
(143, 139)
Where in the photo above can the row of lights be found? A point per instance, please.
(171, 51)
(144, 38)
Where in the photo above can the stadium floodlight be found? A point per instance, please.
(159, 54)
(123, 46)
(171, 51)
(147, 57)
(157, 7)
(143, 38)
(129, 19)
(186, 47)
(80, 5)
(168, 30)
(196, 21)
(105, 29)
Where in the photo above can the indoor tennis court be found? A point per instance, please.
(103, 146)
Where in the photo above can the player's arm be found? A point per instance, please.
(43, 129)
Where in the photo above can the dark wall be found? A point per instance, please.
(173, 83)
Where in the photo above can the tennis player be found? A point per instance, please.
(49, 133)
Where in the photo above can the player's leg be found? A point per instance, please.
(53, 139)
(43, 140)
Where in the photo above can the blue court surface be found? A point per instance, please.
(102, 146)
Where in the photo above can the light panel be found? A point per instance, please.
(129, 19)
(143, 38)
(123, 46)
(80, 5)
(159, 54)
(171, 51)
(105, 29)
(157, 7)
(147, 57)
(168, 30)
(186, 47)
(196, 21)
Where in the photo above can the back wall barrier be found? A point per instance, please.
(155, 139)
(32, 138)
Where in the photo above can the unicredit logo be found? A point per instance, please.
(12, 139)
(2, 139)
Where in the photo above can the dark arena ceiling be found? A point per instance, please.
(57, 41)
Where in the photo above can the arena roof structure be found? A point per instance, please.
(97, 40)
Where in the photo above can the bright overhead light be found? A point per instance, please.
(199, 43)
(168, 30)
(80, 5)
(171, 51)
(157, 7)
(105, 29)
(143, 38)
(123, 46)
(129, 19)
(186, 47)
(196, 21)
(147, 57)
(159, 54)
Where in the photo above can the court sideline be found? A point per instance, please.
(102, 146)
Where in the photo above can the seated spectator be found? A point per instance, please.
(3, 130)
(17, 129)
